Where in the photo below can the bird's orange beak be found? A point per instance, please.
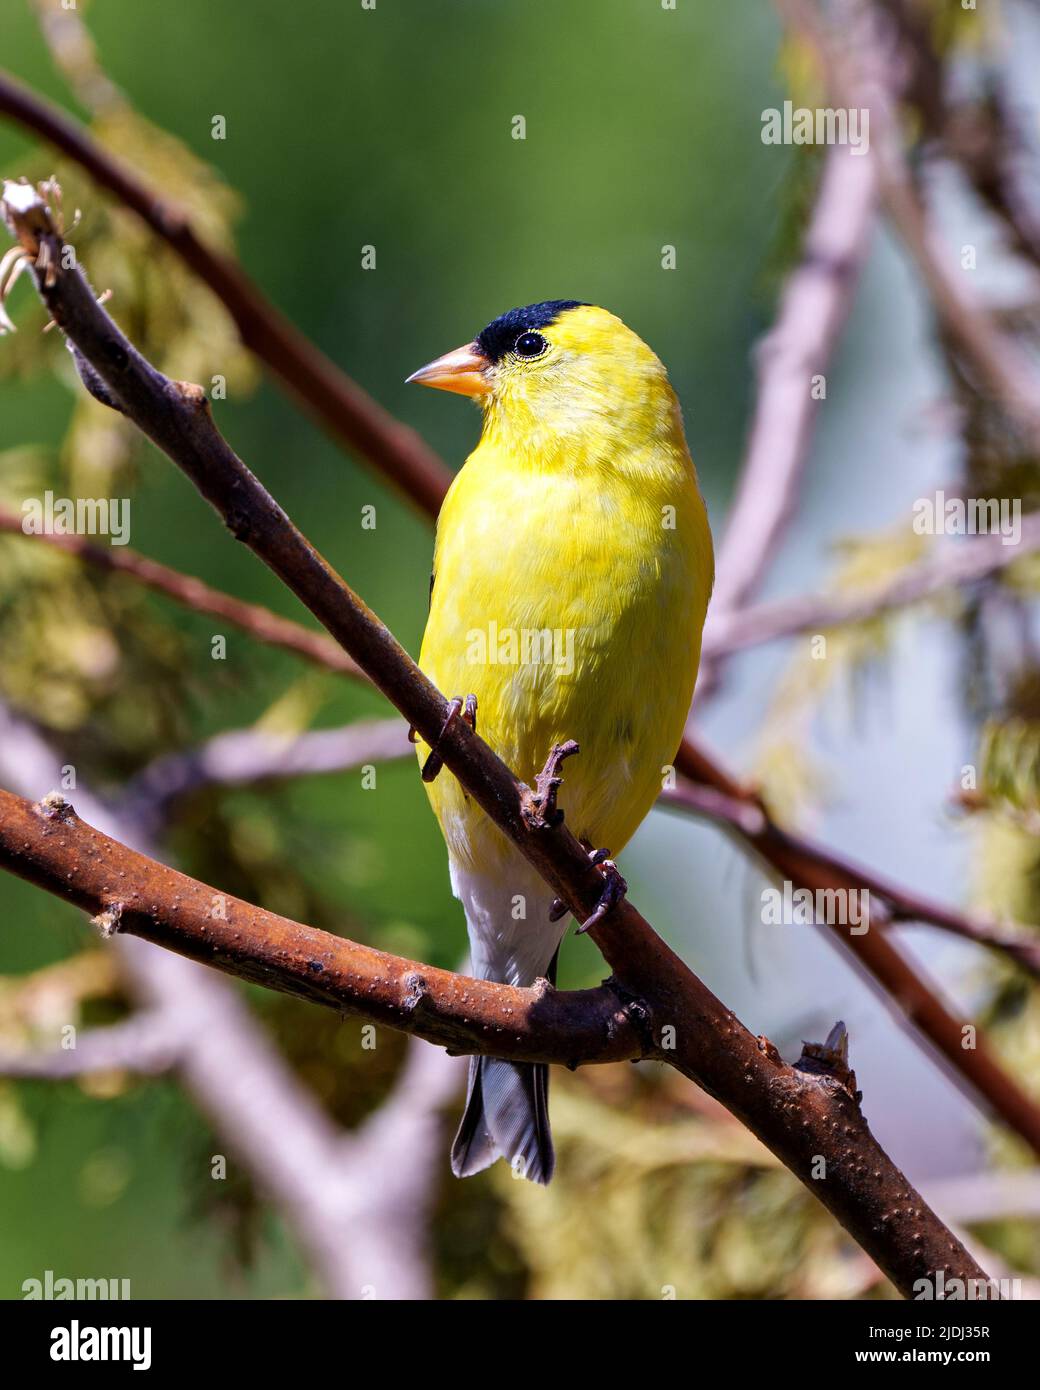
(462, 371)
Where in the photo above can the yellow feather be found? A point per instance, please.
(578, 515)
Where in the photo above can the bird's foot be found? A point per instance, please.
(456, 706)
(538, 808)
(614, 889)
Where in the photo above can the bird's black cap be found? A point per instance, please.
(499, 336)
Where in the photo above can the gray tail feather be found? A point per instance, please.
(506, 1116)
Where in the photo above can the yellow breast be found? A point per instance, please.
(570, 588)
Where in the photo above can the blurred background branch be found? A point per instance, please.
(791, 364)
(191, 1020)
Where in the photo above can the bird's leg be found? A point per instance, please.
(456, 706)
(614, 888)
(538, 808)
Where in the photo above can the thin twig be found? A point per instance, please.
(791, 361)
(331, 397)
(147, 1044)
(857, 76)
(956, 565)
(915, 999)
(892, 902)
(247, 756)
(189, 592)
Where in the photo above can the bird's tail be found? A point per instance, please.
(507, 1116)
(507, 1104)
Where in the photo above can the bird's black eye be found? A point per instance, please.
(530, 345)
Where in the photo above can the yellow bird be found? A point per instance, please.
(572, 571)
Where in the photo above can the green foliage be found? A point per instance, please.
(653, 1202)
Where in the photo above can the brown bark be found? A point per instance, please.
(808, 1114)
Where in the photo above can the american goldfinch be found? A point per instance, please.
(572, 570)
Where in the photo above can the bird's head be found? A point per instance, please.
(558, 370)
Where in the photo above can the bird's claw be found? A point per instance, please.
(538, 808)
(614, 889)
(456, 706)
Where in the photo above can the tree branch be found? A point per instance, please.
(861, 81)
(132, 894)
(913, 996)
(189, 592)
(147, 1043)
(332, 398)
(745, 814)
(281, 352)
(797, 1111)
(958, 564)
(302, 1162)
(814, 308)
(246, 756)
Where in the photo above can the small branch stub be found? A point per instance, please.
(53, 806)
(106, 923)
(830, 1059)
(538, 807)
